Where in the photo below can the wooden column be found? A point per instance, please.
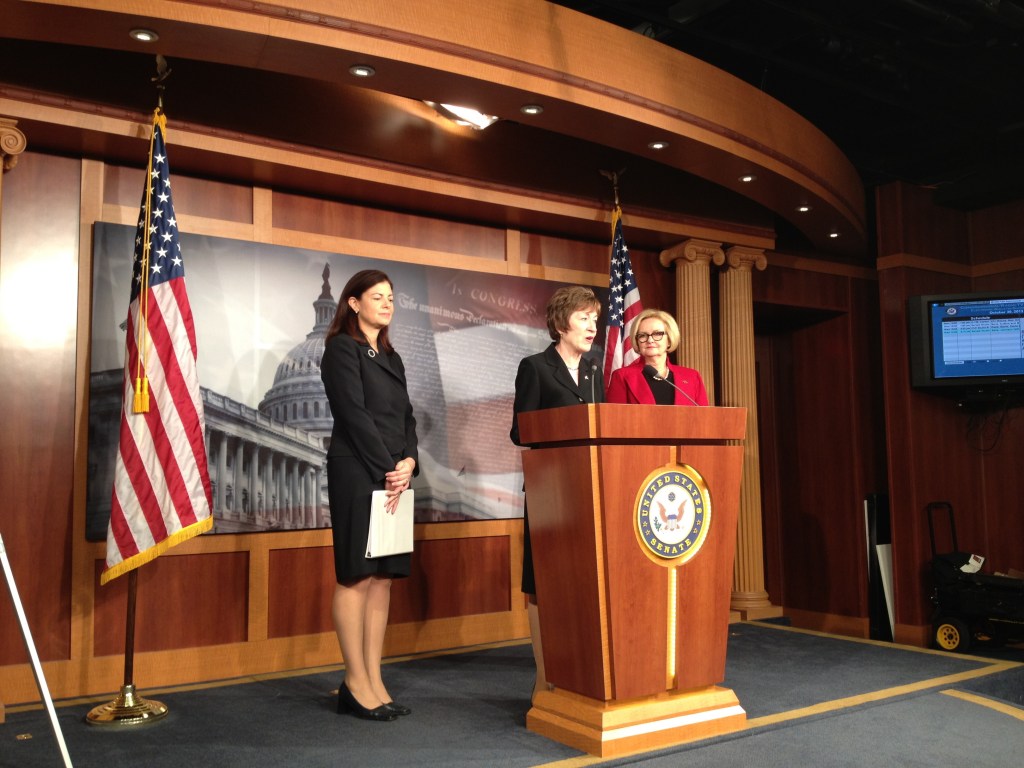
(12, 144)
(693, 260)
(739, 389)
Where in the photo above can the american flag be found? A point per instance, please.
(162, 492)
(623, 304)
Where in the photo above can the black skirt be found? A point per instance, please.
(349, 487)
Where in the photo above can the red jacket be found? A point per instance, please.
(628, 385)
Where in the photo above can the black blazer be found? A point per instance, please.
(369, 400)
(543, 381)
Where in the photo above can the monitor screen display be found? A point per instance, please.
(967, 343)
(977, 337)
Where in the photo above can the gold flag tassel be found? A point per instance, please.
(140, 404)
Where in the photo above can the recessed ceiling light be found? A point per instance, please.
(833, 234)
(362, 70)
(747, 178)
(466, 116)
(144, 35)
(531, 109)
(658, 145)
(803, 208)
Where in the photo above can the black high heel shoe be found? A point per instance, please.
(398, 709)
(347, 704)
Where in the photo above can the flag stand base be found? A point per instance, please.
(126, 710)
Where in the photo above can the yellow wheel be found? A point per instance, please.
(952, 635)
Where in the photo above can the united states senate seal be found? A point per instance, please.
(673, 514)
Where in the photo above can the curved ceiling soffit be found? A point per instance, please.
(598, 83)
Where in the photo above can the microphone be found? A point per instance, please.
(593, 377)
(653, 372)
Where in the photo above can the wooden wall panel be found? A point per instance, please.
(455, 577)
(558, 252)
(798, 288)
(338, 219)
(995, 234)
(908, 223)
(301, 584)
(182, 601)
(772, 370)
(192, 197)
(821, 507)
(868, 387)
(657, 284)
(822, 436)
(38, 318)
(449, 577)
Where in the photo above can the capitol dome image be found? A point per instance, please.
(297, 397)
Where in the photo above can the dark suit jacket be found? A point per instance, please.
(628, 385)
(373, 418)
(543, 381)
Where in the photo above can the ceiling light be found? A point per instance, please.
(747, 178)
(531, 109)
(144, 35)
(658, 145)
(833, 234)
(803, 208)
(463, 115)
(362, 70)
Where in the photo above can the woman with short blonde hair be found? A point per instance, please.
(671, 327)
(652, 379)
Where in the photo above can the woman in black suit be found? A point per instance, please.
(556, 377)
(373, 447)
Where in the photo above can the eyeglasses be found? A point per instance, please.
(656, 335)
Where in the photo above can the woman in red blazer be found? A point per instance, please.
(655, 334)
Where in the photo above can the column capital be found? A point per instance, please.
(741, 257)
(693, 250)
(12, 142)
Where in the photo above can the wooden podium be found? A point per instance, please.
(633, 525)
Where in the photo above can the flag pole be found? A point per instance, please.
(613, 177)
(624, 303)
(128, 708)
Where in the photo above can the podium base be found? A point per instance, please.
(610, 729)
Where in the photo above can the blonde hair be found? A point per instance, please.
(670, 327)
(565, 301)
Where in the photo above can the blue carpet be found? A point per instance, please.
(469, 709)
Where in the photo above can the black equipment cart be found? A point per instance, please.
(970, 606)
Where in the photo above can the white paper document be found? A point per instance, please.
(390, 534)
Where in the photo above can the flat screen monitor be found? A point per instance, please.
(969, 342)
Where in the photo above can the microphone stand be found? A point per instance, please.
(650, 369)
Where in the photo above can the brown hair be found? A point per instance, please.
(346, 320)
(565, 301)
